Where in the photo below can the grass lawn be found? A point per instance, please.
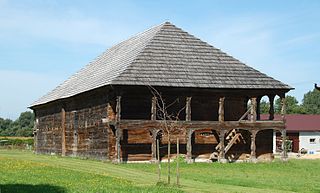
(25, 172)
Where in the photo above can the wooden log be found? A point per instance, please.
(63, 130)
(197, 125)
(271, 110)
(188, 109)
(221, 109)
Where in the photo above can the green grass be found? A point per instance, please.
(25, 172)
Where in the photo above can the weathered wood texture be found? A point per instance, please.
(90, 122)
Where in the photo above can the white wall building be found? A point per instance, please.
(310, 140)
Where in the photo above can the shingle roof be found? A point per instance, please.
(164, 55)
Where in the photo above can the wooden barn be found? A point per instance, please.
(107, 111)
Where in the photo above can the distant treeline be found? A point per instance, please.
(23, 126)
(310, 104)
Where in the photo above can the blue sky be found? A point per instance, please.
(43, 42)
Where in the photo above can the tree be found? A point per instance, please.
(26, 119)
(311, 102)
(292, 106)
(170, 121)
(23, 126)
(264, 107)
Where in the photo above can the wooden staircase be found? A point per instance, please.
(232, 138)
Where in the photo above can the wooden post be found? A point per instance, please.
(258, 107)
(178, 172)
(253, 112)
(118, 132)
(154, 133)
(63, 130)
(222, 156)
(221, 109)
(154, 108)
(189, 145)
(253, 157)
(283, 108)
(35, 134)
(271, 110)
(188, 109)
(284, 147)
(118, 109)
(159, 162)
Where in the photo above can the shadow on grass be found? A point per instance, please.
(29, 188)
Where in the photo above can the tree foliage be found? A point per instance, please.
(292, 106)
(23, 126)
(311, 102)
(264, 107)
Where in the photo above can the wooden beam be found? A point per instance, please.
(216, 125)
(271, 110)
(63, 130)
(188, 109)
(221, 109)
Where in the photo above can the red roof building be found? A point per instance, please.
(303, 131)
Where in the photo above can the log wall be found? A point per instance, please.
(85, 134)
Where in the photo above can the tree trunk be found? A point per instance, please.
(178, 172)
(159, 163)
(169, 151)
